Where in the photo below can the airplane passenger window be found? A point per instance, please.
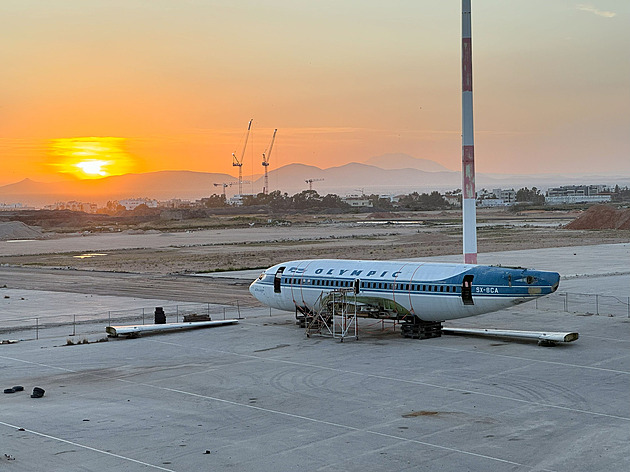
(441, 288)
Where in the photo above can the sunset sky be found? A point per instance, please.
(99, 87)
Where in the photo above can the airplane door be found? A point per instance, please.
(467, 290)
(277, 280)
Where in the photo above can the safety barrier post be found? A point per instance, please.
(596, 304)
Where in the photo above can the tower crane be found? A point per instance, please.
(265, 162)
(238, 161)
(224, 185)
(310, 182)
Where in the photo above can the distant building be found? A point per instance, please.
(577, 190)
(507, 195)
(492, 202)
(132, 203)
(578, 199)
(237, 200)
(358, 201)
(497, 197)
(453, 200)
(578, 194)
(12, 206)
(73, 205)
(175, 203)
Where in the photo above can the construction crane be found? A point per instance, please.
(238, 161)
(265, 162)
(224, 185)
(310, 182)
(229, 184)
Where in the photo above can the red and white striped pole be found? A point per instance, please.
(469, 211)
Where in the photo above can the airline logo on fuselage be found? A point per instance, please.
(342, 272)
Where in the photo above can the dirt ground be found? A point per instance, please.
(431, 234)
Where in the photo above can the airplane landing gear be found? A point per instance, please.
(417, 329)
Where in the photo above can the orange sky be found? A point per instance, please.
(175, 83)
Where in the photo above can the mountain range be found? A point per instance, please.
(387, 174)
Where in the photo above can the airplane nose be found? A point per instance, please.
(550, 279)
(555, 281)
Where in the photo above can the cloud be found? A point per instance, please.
(592, 9)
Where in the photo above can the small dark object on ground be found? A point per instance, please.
(194, 318)
(160, 316)
(18, 388)
(38, 392)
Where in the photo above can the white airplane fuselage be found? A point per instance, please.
(398, 289)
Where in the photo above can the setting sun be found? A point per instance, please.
(91, 157)
(93, 167)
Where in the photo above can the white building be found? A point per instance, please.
(132, 203)
(237, 200)
(507, 195)
(492, 202)
(358, 201)
(560, 199)
(454, 200)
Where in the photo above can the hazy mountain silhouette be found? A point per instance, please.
(162, 185)
(356, 178)
(351, 178)
(405, 161)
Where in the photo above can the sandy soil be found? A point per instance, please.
(247, 248)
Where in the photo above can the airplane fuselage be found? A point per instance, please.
(396, 289)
